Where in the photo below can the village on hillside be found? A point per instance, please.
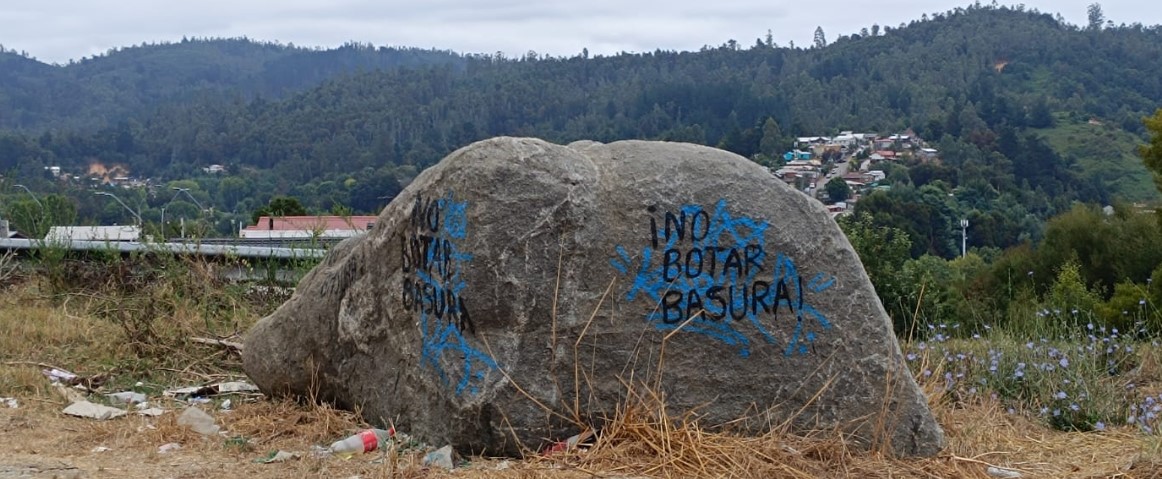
(857, 159)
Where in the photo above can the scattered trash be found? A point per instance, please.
(151, 411)
(226, 405)
(69, 394)
(89, 410)
(241, 443)
(1002, 472)
(126, 397)
(320, 452)
(236, 387)
(503, 465)
(583, 440)
(138, 384)
(213, 389)
(10, 402)
(366, 441)
(99, 449)
(444, 457)
(199, 421)
(278, 456)
(164, 448)
(59, 375)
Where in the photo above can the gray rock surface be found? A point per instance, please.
(518, 288)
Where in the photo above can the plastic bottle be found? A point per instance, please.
(366, 441)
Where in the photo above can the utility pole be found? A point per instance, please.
(963, 237)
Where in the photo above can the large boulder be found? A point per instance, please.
(519, 288)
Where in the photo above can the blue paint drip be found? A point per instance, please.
(442, 337)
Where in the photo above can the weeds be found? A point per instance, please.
(1089, 380)
(993, 389)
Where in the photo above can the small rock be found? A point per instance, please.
(1002, 473)
(443, 457)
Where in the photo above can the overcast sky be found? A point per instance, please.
(56, 31)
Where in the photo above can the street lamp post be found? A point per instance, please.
(963, 237)
(111, 195)
(191, 197)
(163, 207)
(187, 192)
(25, 188)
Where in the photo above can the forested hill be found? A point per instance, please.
(1029, 113)
(133, 82)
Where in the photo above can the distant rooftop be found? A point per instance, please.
(93, 233)
(308, 226)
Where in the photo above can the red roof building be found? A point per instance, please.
(319, 227)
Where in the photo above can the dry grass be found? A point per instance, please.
(641, 441)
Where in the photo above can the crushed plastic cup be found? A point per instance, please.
(199, 421)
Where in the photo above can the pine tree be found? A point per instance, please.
(1096, 17)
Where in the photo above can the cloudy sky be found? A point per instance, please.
(59, 30)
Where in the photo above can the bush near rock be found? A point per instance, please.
(519, 289)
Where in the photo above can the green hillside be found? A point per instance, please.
(347, 128)
(1105, 152)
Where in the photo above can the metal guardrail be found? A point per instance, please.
(201, 249)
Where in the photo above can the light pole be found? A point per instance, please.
(191, 197)
(187, 192)
(963, 237)
(163, 207)
(25, 188)
(111, 195)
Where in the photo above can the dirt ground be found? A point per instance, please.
(37, 441)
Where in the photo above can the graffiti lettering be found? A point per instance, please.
(433, 287)
(712, 269)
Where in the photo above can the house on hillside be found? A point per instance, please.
(809, 141)
(797, 155)
(308, 227)
(846, 138)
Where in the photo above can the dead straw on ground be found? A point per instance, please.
(642, 439)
